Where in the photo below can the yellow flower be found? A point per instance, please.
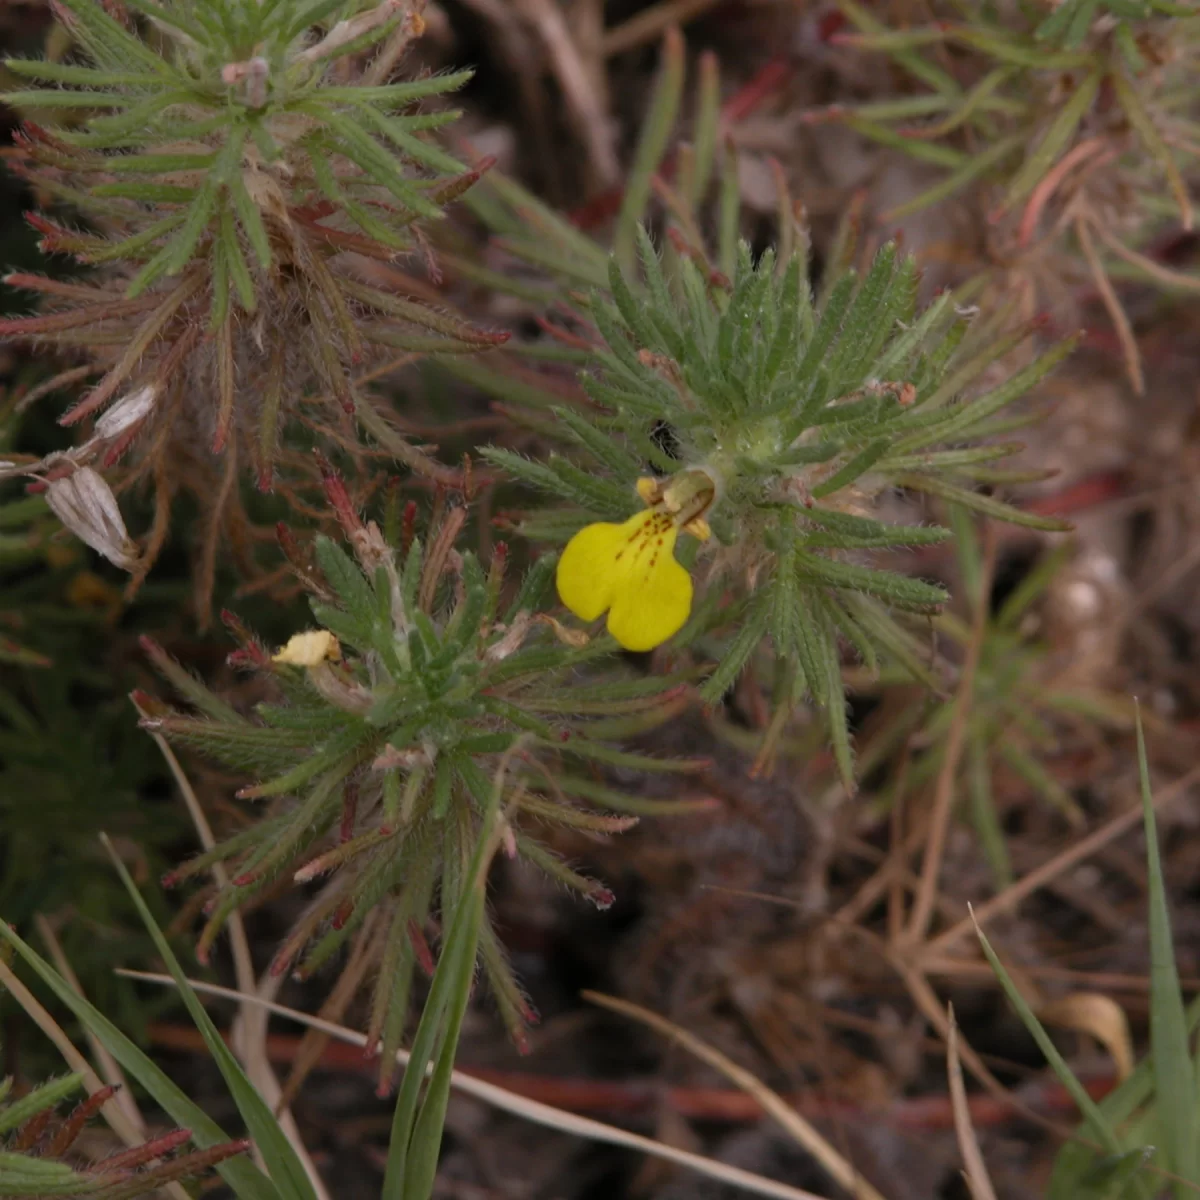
(628, 570)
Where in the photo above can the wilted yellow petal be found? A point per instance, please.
(568, 637)
(309, 648)
(1099, 1015)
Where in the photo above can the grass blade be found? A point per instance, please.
(1174, 1080)
(656, 131)
(417, 1126)
(246, 1180)
(1057, 137)
(1096, 1122)
(287, 1172)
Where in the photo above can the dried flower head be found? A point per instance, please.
(84, 503)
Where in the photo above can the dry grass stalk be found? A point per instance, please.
(249, 1036)
(519, 1106)
(804, 1133)
(975, 1169)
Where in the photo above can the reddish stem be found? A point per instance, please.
(625, 1097)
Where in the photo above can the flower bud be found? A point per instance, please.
(127, 412)
(345, 32)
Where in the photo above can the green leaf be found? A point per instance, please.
(300, 19)
(46, 1096)
(53, 99)
(170, 17)
(397, 95)
(417, 1127)
(1096, 1123)
(978, 502)
(111, 45)
(1152, 140)
(729, 209)
(600, 752)
(459, 959)
(346, 578)
(414, 148)
(251, 220)
(839, 529)
(54, 72)
(23, 1177)
(965, 420)
(1055, 140)
(603, 446)
(979, 164)
(896, 642)
(230, 248)
(323, 173)
(1175, 1096)
(357, 145)
(883, 298)
(704, 131)
(887, 585)
(937, 78)
(652, 143)
(858, 465)
(1107, 1179)
(287, 1171)
(829, 324)
(750, 630)
(929, 152)
(830, 691)
(201, 210)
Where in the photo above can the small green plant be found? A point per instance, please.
(779, 420)
(242, 162)
(1147, 1126)
(1126, 76)
(420, 692)
(1017, 711)
(727, 395)
(286, 1178)
(420, 1105)
(1070, 121)
(37, 1147)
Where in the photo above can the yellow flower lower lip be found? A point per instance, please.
(629, 571)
